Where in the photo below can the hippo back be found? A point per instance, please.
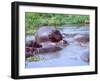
(42, 34)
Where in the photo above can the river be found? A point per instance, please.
(71, 55)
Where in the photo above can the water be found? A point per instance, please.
(69, 56)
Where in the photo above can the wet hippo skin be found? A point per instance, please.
(45, 34)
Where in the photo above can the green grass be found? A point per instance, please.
(35, 20)
(33, 59)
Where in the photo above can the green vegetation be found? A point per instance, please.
(35, 59)
(35, 20)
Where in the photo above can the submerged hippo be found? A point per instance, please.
(83, 40)
(30, 47)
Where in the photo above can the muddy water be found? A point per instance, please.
(69, 55)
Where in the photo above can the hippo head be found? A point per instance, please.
(55, 36)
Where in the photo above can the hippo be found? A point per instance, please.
(30, 47)
(29, 51)
(48, 34)
(83, 40)
(33, 43)
(47, 39)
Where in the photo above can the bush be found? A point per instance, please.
(33, 59)
(34, 20)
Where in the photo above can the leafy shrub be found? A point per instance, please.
(34, 58)
(34, 20)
